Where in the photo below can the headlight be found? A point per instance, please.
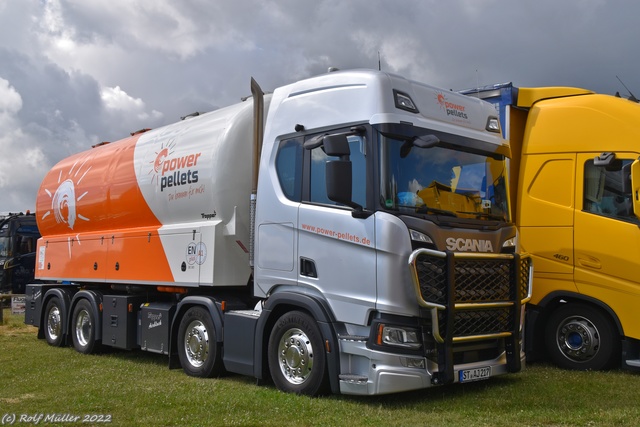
(420, 237)
(398, 336)
(509, 243)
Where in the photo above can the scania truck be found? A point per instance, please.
(350, 232)
(576, 182)
(18, 238)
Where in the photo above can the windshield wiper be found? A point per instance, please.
(427, 209)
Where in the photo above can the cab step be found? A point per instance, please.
(353, 337)
(635, 363)
(352, 378)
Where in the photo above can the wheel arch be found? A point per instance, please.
(538, 316)
(555, 299)
(285, 301)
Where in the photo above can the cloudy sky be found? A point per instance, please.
(77, 72)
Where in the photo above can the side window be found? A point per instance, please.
(318, 191)
(289, 168)
(604, 192)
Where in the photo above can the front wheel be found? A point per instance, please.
(198, 351)
(580, 337)
(83, 328)
(53, 322)
(297, 360)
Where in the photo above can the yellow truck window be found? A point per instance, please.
(604, 192)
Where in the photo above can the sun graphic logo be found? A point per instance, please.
(64, 203)
(442, 101)
(157, 163)
(158, 159)
(64, 199)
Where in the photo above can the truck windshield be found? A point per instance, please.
(4, 246)
(442, 180)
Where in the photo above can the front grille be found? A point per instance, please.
(476, 280)
(478, 322)
(483, 287)
(525, 269)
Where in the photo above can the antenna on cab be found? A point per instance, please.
(631, 97)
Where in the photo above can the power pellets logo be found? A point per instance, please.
(170, 170)
(451, 108)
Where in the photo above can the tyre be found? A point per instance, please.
(297, 360)
(581, 337)
(53, 322)
(199, 353)
(83, 328)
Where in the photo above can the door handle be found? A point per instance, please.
(589, 261)
(308, 268)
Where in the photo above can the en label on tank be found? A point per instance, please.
(196, 253)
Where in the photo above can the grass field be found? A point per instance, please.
(137, 389)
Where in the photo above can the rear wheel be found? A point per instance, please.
(297, 360)
(581, 337)
(199, 353)
(53, 322)
(83, 328)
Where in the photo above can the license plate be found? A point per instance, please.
(476, 374)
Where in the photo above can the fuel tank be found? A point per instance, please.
(168, 206)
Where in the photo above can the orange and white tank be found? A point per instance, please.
(165, 207)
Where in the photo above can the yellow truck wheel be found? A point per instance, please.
(581, 337)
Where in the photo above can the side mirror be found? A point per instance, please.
(608, 161)
(426, 141)
(422, 141)
(339, 175)
(339, 172)
(635, 187)
(625, 185)
(604, 159)
(336, 145)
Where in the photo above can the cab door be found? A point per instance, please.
(607, 238)
(545, 215)
(336, 251)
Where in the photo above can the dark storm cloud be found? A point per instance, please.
(88, 71)
(44, 127)
(52, 96)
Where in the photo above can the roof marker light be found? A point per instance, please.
(493, 125)
(404, 102)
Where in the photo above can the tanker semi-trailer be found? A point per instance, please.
(357, 240)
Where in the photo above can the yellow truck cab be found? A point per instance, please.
(575, 181)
